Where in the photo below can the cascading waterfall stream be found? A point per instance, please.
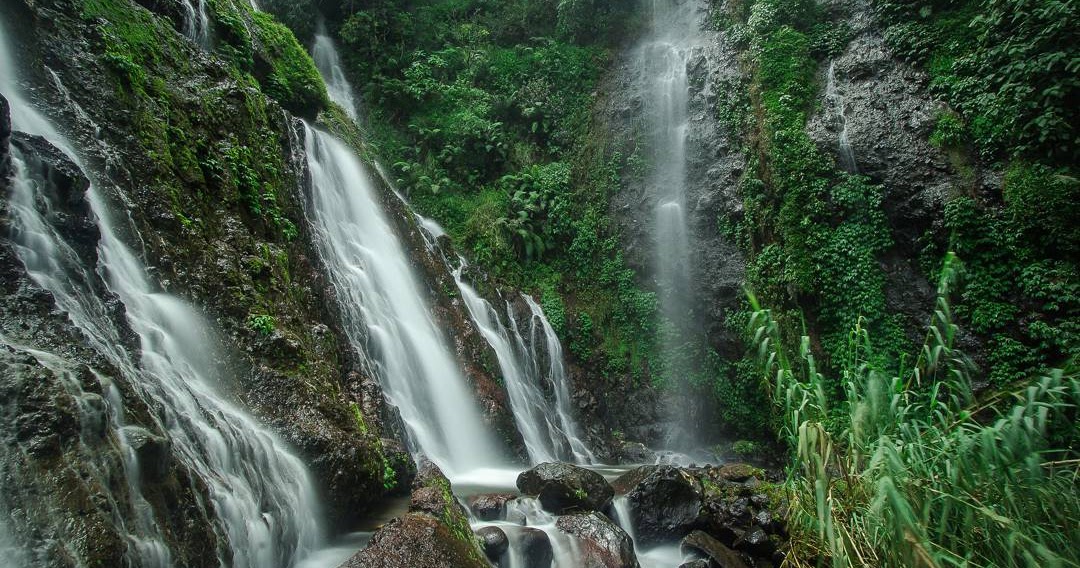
(197, 22)
(549, 430)
(386, 318)
(838, 107)
(263, 500)
(326, 57)
(665, 89)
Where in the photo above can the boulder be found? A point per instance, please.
(702, 544)
(417, 539)
(533, 548)
(629, 480)
(489, 506)
(635, 452)
(699, 563)
(666, 505)
(602, 543)
(494, 542)
(435, 533)
(737, 472)
(562, 487)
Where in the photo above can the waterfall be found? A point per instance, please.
(197, 22)
(666, 93)
(263, 502)
(386, 319)
(664, 83)
(328, 61)
(549, 430)
(837, 105)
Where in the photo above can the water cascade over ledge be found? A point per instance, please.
(263, 504)
(547, 426)
(386, 318)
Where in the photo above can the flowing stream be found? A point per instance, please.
(197, 22)
(263, 503)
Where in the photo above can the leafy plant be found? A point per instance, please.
(910, 470)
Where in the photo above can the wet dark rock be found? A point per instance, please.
(494, 542)
(152, 451)
(699, 563)
(602, 543)
(563, 487)
(756, 542)
(700, 543)
(666, 505)
(535, 547)
(737, 472)
(489, 506)
(5, 139)
(629, 480)
(416, 540)
(635, 452)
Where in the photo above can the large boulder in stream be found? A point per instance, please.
(435, 533)
(418, 539)
(494, 542)
(563, 488)
(489, 506)
(666, 504)
(601, 543)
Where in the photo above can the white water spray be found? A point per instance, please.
(386, 318)
(548, 429)
(326, 57)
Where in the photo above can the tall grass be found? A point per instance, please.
(909, 469)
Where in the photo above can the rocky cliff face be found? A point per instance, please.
(714, 163)
(887, 114)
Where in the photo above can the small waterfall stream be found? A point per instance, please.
(664, 84)
(548, 428)
(838, 108)
(326, 57)
(197, 22)
(263, 502)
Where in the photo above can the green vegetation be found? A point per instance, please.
(483, 110)
(285, 69)
(262, 323)
(908, 468)
(1009, 69)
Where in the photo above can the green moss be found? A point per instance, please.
(289, 74)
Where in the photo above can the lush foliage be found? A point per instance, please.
(1009, 69)
(1012, 68)
(483, 109)
(814, 233)
(908, 469)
